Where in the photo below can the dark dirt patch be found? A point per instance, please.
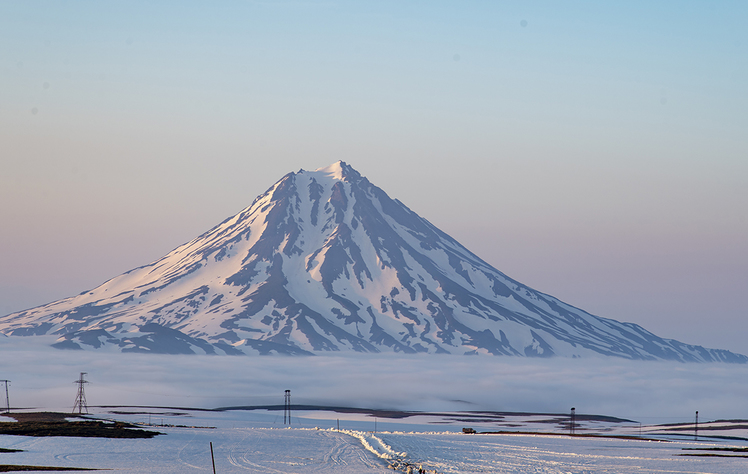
(54, 424)
(155, 413)
(732, 450)
(12, 468)
(575, 435)
(40, 416)
(713, 455)
(704, 428)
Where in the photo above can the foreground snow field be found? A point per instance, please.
(248, 442)
(455, 453)
(187, 451)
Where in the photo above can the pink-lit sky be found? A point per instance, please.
(595, 152)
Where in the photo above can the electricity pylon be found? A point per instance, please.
(572, 420)
(287, 408)
(80, 399)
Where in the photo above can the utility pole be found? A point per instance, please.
(212, 459)
(7, 399)
(571, 424)
(80, 399)
(287, 408)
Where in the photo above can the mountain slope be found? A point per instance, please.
(326, 261)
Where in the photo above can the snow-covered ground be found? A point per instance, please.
(257, 442)
(456, 453)
(187, 450)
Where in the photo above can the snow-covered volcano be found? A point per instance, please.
(326, 261)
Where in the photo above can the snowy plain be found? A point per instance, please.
(255, 441)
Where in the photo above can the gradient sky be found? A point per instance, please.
(595, 151)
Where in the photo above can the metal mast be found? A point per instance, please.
(7, 399)
(287, 408)
(80, 399)
(572, 420)
(696, 427)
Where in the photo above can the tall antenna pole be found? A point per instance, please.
(7, 399)
(80, 399)
(287, 408)
(696, 427)
(571, 421)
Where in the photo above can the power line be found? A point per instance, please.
(80, 399)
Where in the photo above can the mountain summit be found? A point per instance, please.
(326, 261)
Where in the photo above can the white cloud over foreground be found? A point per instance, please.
(648, 392)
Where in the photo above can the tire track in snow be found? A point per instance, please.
(245, 463)
(180, 457)
(332, 457)
(335, 455)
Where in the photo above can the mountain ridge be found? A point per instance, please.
(326, 261)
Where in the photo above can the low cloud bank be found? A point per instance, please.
(648, 392)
